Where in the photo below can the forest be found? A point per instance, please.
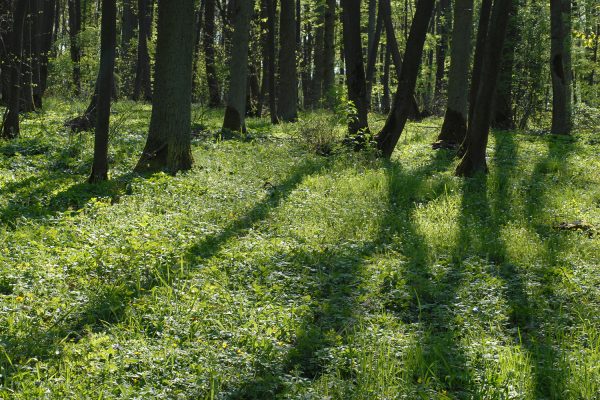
(300, 199)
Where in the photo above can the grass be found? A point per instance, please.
(269, 271)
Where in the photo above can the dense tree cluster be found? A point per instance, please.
(478, 63)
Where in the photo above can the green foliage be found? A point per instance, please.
(270, 272)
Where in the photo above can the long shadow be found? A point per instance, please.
(108, 304)
(338, 276)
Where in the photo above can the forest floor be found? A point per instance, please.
(269, 271)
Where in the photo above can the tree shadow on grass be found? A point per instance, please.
(108, 304)
(337, 276)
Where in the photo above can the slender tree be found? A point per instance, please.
(238, 72)
(143, 86)
(454, 128)
(328, 87)
(10, 125)
(108, 42)
(287, 107)
(169, 140)
(394, 125)
(75, 47)
(560, 66)
(355, 72)
(214, 95)
(473, 160)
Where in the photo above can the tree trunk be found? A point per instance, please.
(75, 48)
(454, 128)
(385, 81)
(143, 84)
(443, 26)
(214, 93)
(478, 131)
(502, 111)
(355, 74)
(329, 54)
(287, 107)
(560, 66)
(271, 17)
(386, 11)
(372, 55)
(238, 74)
(318, 57)
(10, 125)
(47, 41)
(169, 140)
(394, 125)
(108, 42)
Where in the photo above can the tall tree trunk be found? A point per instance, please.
(502, 109)
(385, 81)
(355, 73)
(560, 66)
(169, 140)
(478, 131)
(214, 94)
(307, 52)
(329, 54)
(386, 11)
(108, 43)
(271, 17)
(10, 125)
(47, 41)
(318, 57)
(372, 55)
(143, 84)
(287, 107)
(75, 47)
(238, 74)
(444, 22)
(394, 125)
(128, 22)
(454, 128)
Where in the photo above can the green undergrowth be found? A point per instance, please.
(271, 271)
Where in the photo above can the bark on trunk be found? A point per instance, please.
(287, 107)
(108, 42)
(394, 125)
(214, 93)
(75, 48)
(169, 140)
(143, 84)
(560, 66)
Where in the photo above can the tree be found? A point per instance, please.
(74, 31)
(329, 53)
(454, 128)
(108, 42)
(401, 107)
(287, 107)
(10, 125)
(169, 140)
(143, 85)
(473, 160)
(560, 66)
(238, 69)
(355, 72)
(214, 95)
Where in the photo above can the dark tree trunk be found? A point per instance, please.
(74, 31)
(287, 107)
(214, 93)
(128, 26)
(143, 84)
(502, 109)
(169, 141)
(318, 58)
(560, 67)
(10, 125)
(307, 51)
(235, 112)
(454, 128)
(478, 131)
(355, 73)
(108, 43)
(47, 41)
(372, 55)
(329, 54)
(482, 35)
(443, 25)
(386, 11)
(394, 125)
(385, 81)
